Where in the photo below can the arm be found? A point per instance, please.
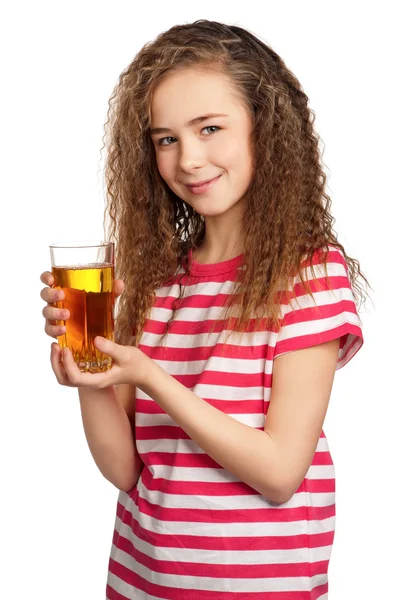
(108, 421)
(273, 461)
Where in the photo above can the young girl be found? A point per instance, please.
(237, 307)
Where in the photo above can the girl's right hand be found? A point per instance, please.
(52, 314)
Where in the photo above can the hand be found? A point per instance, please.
(130, 365)
(52, 314)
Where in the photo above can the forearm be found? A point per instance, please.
(110, 437)
(247, 453)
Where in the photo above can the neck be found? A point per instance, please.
(206, 255)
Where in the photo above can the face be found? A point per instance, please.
(191, 149)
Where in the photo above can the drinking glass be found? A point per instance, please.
(85, 272)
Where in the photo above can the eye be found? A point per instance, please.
(211, 127)
(161, 140)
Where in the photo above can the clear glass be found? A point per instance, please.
(85, 272)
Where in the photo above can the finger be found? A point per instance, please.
(57, 365)
(47, 278)
(115, 351)
(71, 369)
(54, 331)
(79, 379)
(52, 295)
(52, 313)
(54, 316)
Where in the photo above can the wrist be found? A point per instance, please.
(145, 370)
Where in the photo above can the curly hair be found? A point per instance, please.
(288, 213)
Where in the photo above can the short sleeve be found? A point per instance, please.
(331, 314)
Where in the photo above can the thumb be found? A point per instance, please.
(108, 347)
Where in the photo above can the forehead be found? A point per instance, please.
(186, 94)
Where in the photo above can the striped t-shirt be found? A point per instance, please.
(189, 529)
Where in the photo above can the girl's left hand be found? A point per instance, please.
(130, 365)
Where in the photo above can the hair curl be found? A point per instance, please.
(288, 212)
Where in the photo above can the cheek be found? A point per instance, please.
(236, 157)
(160, 164)
(164, 165)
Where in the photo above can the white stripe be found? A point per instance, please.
(224, 364)
(220, 392)
(129, 591)
(223, 557)
(199, 475)
(201, 288)
(334, 269)
(322, 298)
(167, 445)
(193, 474)
(207, 340)
(317, 326)
(193, 313)
(216, 503)
(152, 420)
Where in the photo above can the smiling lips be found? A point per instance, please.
(203, 186)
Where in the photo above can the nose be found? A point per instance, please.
(192, 155)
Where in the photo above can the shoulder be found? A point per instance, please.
(325, 256)
(324, 270)
(321, 307)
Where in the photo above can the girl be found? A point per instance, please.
(237, 307)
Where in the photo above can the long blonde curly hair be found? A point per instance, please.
(288, 212)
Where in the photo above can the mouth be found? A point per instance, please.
(203, 186)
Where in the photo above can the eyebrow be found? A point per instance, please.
(192, 122)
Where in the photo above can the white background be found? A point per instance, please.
(60, 62)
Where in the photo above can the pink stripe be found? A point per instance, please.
(306, 341)
(239, 488)
(194, 301)
(169, 432)
(204, 461)
(149, 407)
(221, 571)
(203, 326)
(112, 594)
(315, 313)
(205, 352)
(191, 488)
(236, 380)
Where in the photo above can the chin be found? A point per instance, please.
(210, 213)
